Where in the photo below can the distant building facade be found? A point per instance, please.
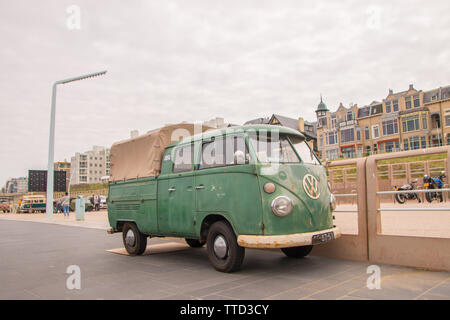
(63, 166)
(90, 166)
(16, 185)
(407, 120)
(217, 123)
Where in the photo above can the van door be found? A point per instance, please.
(177, 195)
(226, 184)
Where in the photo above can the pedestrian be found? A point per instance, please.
(97, 202)
(58, 206)
(65, 202)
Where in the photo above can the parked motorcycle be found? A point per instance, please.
(402, 197)
(432, 184)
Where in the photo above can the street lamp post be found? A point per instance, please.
(51, 144)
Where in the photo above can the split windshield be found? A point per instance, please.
(270, 147)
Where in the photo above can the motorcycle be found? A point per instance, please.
(402, 197)
(431, 183)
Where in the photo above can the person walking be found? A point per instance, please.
(65, 202)
(97, 202)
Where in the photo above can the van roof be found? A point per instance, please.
(237, 129)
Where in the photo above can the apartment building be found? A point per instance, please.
(90, 166)
(406, 120)
(16, 185)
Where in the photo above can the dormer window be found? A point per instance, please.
(349, 115)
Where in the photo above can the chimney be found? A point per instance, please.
(301, 124)
(411, 87)
(391, 91)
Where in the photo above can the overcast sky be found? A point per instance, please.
(173, 61)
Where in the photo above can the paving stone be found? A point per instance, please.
(35, 257)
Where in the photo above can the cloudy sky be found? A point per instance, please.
(171, 61)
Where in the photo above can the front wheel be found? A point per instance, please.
(400, 198)
(194, 243)
(297, 252)
(224, 253)
(134, 241)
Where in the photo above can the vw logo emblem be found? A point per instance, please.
(311, 186)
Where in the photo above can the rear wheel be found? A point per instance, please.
(194, 243)
(134, 241)
(429, 196)
(224, 253)
(297, 252)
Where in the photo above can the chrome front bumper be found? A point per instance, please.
(288, 240)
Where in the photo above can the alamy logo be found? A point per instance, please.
(74, 280)
(311, 186)
(74, 19)
(374, 280)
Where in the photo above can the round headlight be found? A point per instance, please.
(332, 202)
(269, 187)
(282, 206)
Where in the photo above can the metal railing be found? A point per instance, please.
(346, 195)
(414, 191)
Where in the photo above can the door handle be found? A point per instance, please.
(172, 189)
(199, 187)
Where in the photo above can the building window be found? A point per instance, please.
(389, 146)
(423, 142)
(395, 105)
(358, 134)
(410, 123)
(321, 140)
(424, 121)
(333, 123)
(367, 132)
(414, 142)
(408, 102)
(347, 135)
(349, 115)
(323, 122)
(390, 127)
(375, 131)
(348, 152)
(405, 144)
(331, 138)
(447, 118)
(332, 154)
(388, 107)
(416, 101)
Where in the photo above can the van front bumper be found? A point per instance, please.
(289, 240)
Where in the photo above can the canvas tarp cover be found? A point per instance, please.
(140, 157)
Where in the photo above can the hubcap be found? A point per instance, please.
(130, 239)
(220, 247)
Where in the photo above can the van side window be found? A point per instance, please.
(224, 152)
(183, 158)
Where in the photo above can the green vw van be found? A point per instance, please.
(255, 186)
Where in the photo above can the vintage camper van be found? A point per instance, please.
(255, 186)
(33, 203)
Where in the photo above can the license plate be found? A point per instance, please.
(426, 185)
(322, 238)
